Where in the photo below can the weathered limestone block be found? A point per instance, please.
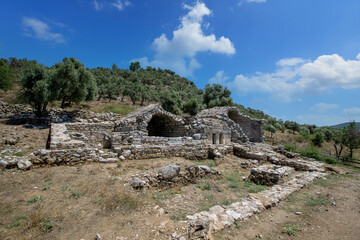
(169, 172)
(269, 174)
(24, 164)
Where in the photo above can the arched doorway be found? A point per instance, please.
(165, 126)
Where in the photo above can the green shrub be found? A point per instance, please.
(318, 139)
(312, 152)
(290, 148)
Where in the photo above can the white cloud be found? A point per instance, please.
(295, 78)
(119, 4)
(219, 78)
(98, 5)
(350, 111)
(178, 53)
(324, 107)
(290, 62)
(41, 30)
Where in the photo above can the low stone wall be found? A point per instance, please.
(91, 134)
(170, 175)
(203, 224)
(269, 174)
(192, 152)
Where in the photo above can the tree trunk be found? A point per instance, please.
(99, 97)
(63, 102)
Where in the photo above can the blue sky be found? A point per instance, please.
(294, 59)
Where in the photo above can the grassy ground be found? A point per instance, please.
(75, 202)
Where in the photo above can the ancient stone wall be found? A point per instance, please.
(91, 134)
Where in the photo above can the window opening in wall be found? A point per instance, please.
(214, 138)
(221, 139)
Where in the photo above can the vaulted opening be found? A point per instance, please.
(164, 126)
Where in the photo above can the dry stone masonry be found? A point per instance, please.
(269, 174)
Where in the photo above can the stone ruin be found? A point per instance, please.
(151, 132)
(170, 175)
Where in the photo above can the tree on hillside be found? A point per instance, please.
(72, 82)
(7, 75)
(35, 88)
(171, 102)
(294, 126)
(134, 66)
(352, 138)
(191, 106)
(318, 139)
(339, 138)
(216, 95)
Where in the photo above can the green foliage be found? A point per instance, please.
(47, 224)
(75, 194)
(318, 139)
(293, 126)
(215, 95)
(72, 82)
(352, 138)
(7, 76)
(134, 66)
(290, 147)
(191, 106)
(171, 102)
(253, 188)
(312, 152)
(317, 200)
(291, 229)
(204, 186)
(119, 109)
(36, 90)
(17, 221)
(19, 154)
(35, 199)
(328, 134)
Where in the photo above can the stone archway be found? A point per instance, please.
(165, 126)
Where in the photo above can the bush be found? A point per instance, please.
(312, 152)
(290, 148)
(191, 106)
(318, 139)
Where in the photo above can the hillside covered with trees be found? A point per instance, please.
(70, 81)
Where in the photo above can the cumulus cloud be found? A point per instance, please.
(188, 39)
(324, 107)
(41, 30)
(294, 78)
(219, 78)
